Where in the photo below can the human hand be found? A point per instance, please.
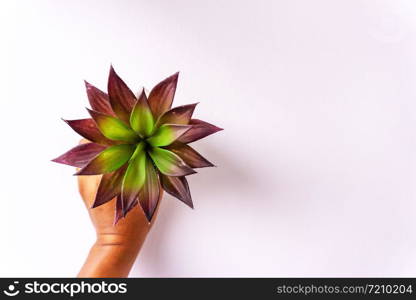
(117, 245)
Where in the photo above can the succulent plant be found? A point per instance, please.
(140, 145)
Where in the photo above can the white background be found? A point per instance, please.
(317, 163)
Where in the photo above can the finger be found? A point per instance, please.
(88, 186)
(84, 141)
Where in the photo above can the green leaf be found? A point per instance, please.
(113, 128)
(108, 160)
(167, 134)
(169, 163)
(88, 129)
(139, 150)
(134, 178)
(141, 118)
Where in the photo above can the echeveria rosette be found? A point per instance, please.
(139, 144)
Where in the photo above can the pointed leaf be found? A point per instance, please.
(199, 130)
(122, 210)
(149, 193)
(110, 186)
(178, 115)
(108, 160)
(141, 118)
(169, 163)
(138, 151)
(178, 187)
(99, 100)
(122, 98)
(130, 207)
(113, 128)
(88, 129)
(167, 134)
(161, 96)
(189, 155)
(119, 210)
(134, 178)
(80, 155)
